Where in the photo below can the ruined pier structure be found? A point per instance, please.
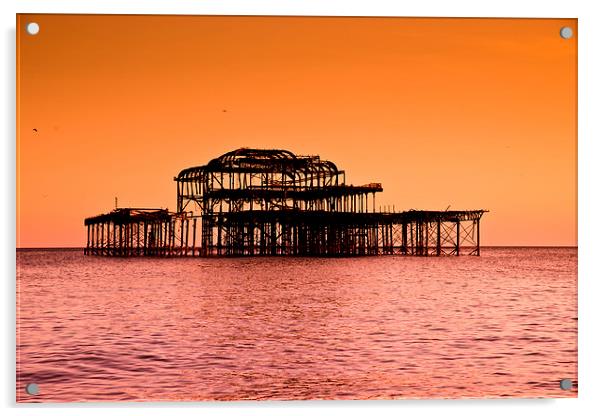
(141, 232)
(252, 202)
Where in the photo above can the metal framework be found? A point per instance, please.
(140, 232)
(272, 202)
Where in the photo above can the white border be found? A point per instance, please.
(590, 135)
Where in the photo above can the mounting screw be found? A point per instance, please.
(32, 28)
(566, 384)
(566, 32)
(32, 389)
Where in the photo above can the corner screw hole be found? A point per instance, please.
(32, 389)
(32, 28)
(566, 32)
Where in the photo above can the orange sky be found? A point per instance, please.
(472, 113)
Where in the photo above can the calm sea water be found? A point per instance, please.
(98, 329)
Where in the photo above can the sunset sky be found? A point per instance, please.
(472, 113)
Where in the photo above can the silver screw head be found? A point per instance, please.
(566, 32)
(32, 389)
(32, 28)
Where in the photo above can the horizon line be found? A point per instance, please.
(489, 246)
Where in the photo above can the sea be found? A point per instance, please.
(296, 328)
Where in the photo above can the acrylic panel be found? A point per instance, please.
(295, 208)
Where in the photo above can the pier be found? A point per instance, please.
(258, 202)
(127, 232)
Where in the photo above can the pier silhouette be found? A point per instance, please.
(271, 202)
